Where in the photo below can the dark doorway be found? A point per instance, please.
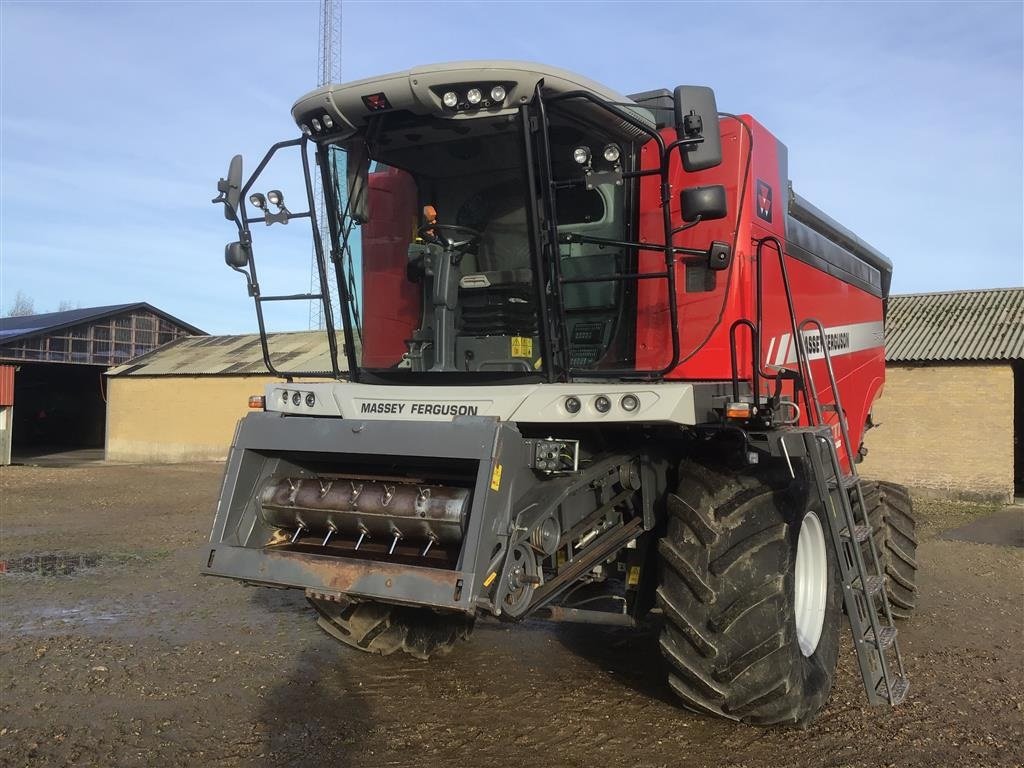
(1018, 428)
(58, 407)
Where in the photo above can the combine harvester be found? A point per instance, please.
(607, 364)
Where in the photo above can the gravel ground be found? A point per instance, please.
(121, 655)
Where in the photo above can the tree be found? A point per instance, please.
(66, 304)
(23, 305)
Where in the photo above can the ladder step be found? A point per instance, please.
(846, 482)
(873, 586)
(898, 690)
(887, 636)
(860, 533)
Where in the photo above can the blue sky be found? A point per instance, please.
(903, 121)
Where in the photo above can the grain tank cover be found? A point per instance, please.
(337, 111)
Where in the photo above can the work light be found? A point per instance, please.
(498, 93)
(450, 99)
(275, 197)
(258, 200)
(581, 155)
(473, 96)
(612, 153)
(328, 122)
(316, 125)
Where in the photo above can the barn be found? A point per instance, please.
(951, 417)
(56, 362)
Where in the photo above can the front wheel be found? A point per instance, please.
(384, 629)
(751, 596)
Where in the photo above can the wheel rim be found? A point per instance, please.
(810, 587)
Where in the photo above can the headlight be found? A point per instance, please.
(572, 404)
(602, 404)
(612, 153)
(450, 99)
(473, 96)
(581, 155)
(498, 93)
(629, 403)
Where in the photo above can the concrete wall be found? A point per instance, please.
(945, 428)
(176, 418)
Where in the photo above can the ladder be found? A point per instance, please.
(863, 579)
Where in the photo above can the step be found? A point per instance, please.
(846, 482)
(898, 690)
(860, 533)
(874, 585)
(887, 636)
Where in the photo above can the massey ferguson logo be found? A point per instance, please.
(764, 200)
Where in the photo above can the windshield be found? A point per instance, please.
(448, 271)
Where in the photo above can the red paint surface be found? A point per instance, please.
(705, 318)
(391, 311)
(6, 385)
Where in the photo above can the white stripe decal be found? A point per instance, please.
(841, 340)
(768, 357)
(780, 358)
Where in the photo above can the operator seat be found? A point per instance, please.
(503, 253)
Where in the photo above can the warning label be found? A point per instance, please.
(522, 346)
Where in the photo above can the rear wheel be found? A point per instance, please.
(891, 515)
(384, 629)
(751, 596)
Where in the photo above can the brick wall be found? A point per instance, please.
(946, 428)
(176, 418)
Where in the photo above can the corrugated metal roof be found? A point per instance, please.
(234, 356)
(956, 326)
(14, 328)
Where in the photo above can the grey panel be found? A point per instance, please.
(813, 248)
(419, 90)
(846, 241)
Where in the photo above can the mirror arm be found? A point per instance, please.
(252, 286)
(687, 226)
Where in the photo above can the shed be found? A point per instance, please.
(58, 360)
(183, 401)
(951, 417)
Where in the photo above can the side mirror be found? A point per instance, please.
(705, 203)
(697, 117)
(231, 188)
(236, 255)
(357, 171)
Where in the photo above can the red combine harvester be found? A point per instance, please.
(598, 363)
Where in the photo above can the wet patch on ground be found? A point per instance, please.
(1002, 529)
(67, 564)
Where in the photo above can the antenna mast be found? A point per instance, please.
(328, 71)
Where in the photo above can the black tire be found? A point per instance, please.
(727, 592)
(891, 515)
(384, 629)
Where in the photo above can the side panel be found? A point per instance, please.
(757, 202)
(706, 298)
(390, 311)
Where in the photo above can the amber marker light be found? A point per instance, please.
(257, 401)
(737, 411)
